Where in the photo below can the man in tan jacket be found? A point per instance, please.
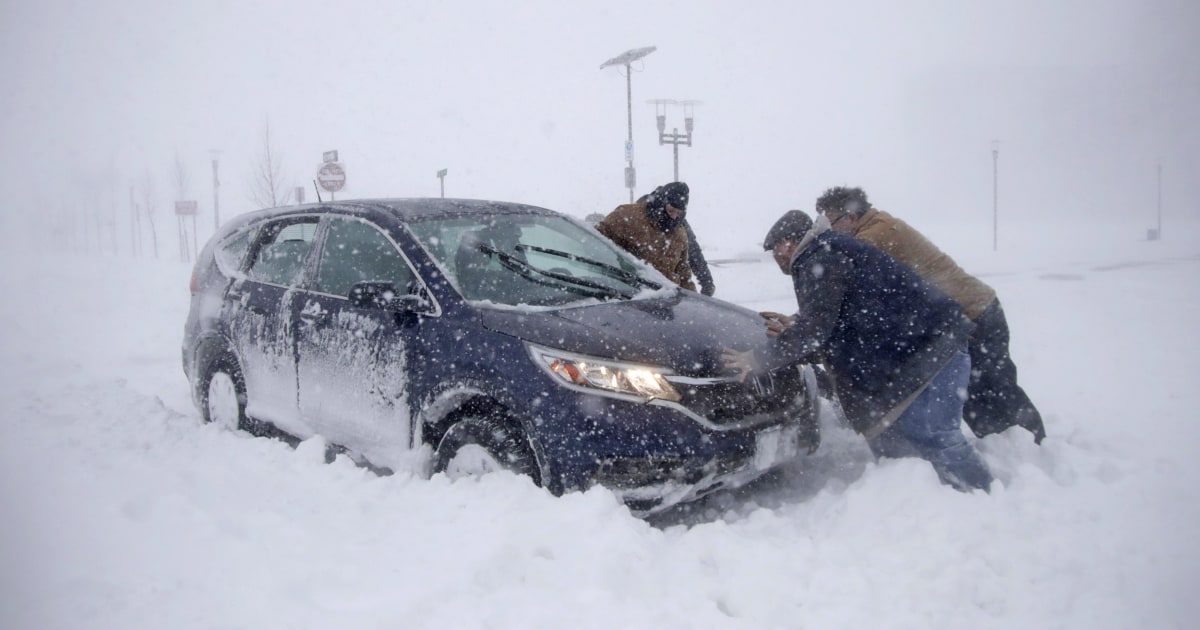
(653, 230)
(995, 401)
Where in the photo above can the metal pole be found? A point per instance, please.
(675, 144)
(216, 198)
(629, 112)
(995, 195)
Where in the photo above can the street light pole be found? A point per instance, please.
(630, 172)
(216, 199)
(995, 194)
(674, 138)
(626, 59)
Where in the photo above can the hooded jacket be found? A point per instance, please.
(883, 332)
(635, 230)
(910, 247)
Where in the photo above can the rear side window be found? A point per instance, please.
(282, 251)
(358, 252)
(232, 252)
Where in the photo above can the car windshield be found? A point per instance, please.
(535, 260)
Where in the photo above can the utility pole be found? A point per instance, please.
(674, 138)
(216, 197)
(626, 59)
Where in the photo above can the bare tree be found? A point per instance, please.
(180, 177)
(267, 189)
(150, 201)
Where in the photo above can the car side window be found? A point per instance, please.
(282, 251)
(230, 254)
(356, 252)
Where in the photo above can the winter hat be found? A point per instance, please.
(674, 194)
(840, 200)
(794, 224)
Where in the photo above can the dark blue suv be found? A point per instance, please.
(467, 336)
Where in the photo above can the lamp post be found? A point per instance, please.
(995, 194)
(216, 185)
(674, 138)
(626, 59)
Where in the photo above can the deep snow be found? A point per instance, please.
(121, 510)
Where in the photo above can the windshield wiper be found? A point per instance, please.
(522, 267)
(611, 271)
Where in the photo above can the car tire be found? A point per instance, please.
(479, 445)
(224, 395)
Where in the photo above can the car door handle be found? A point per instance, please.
(314, 318)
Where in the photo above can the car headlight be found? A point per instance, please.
(604, 376)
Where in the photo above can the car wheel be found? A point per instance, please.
(225, 396)
(480, 445)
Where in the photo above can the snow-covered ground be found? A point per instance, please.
(121, 510)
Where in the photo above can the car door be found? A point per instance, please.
(352, 361)
(258, 309)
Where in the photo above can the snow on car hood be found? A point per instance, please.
(685, 332)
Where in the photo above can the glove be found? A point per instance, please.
(708, 289)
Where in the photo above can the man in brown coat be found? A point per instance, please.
(653, 231)
(995, 402)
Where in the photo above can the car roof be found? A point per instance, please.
(405, 209)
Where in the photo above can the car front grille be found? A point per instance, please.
(725, 401)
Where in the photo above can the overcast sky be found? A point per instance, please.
(1085, 97)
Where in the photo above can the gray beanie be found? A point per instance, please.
(793, 224)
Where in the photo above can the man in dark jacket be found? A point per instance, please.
(894, 344)
(698, 263)
(995, 401)
(653, 230)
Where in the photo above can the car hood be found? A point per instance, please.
(685, 332)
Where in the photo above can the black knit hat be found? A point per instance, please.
(793, 224)
(674, 194)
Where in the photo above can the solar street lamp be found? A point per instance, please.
(626, 59)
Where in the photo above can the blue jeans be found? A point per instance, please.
(931, 427)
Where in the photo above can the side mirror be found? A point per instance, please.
(384, 295)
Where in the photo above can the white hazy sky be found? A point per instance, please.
(904, 98)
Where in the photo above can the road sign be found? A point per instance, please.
(329, 156)
(331, 176)
(185, 208)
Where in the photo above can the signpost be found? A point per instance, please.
(442, 180)
(332, 177)
(186, 209)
